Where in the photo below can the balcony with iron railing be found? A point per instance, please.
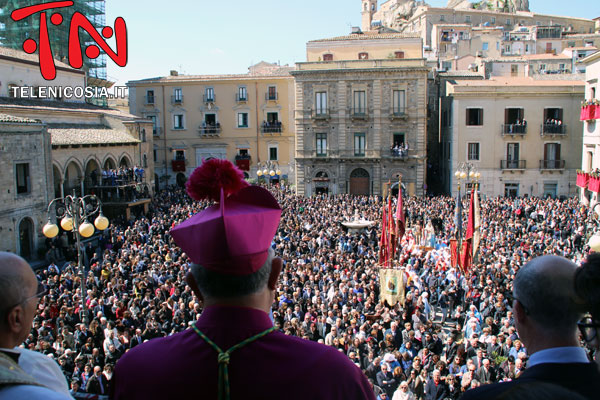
(241, 98)
(208, 98)
(552, 164)
(271, 127)
(176, 99)
(553, 129)
(157, 131)
(514, 129)
(210, 129)
(149, 100)
(513, 164)
(398, 153)
(340, 154)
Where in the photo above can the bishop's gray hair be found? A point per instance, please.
(222, 286)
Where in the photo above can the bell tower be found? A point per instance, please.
(369, 7)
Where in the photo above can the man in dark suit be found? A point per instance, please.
(436, 389)
(546, 315)
(386, 380)
(478, 359)
(136, 339)
(486, 373)
(97, 384)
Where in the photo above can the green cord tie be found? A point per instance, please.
(223, 358)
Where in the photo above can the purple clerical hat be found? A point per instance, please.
(232, 237)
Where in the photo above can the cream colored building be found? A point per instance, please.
(245, 118)
(591, 127)
(357, 97)
(520, 144)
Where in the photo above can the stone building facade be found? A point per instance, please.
(358, 97)
(26, 165)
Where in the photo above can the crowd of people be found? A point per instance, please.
(454, 331)
(399, 150)
(117, 176)
(553, 126)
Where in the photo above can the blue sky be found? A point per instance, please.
(218, 37)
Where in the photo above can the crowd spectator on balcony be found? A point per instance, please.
(400, 149)
(553, 126)
(271, 126)
(519, 126)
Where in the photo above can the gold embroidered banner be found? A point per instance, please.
(392, 285)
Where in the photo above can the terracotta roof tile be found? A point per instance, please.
(19, 120)
(75, 134)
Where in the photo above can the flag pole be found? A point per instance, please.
(398, 236)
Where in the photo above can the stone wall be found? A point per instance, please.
(24, 143)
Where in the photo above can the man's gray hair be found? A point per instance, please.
(546, 293)
(221, 286)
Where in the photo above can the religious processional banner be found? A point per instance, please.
(392, 285)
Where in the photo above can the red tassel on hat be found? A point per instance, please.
(213, 175)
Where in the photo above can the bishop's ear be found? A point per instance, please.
(191, 281)
(276, 267)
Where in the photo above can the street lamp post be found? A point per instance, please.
(72, 210)
(268, 169)
(465, 170)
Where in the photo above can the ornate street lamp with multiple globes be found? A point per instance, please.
(267, 169)
(72, 210)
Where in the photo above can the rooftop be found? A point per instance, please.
(516, 82)
(18, 120)
(530, 57)
(370, 35)
(77, 134)
(582, 48)
(55, 105)
(261, 70)
(21, 55)
(450, 74)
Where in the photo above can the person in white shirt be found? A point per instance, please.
(19, 295)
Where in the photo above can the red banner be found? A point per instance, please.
(582, 179)
(595, 113)
(590, 112)
(594, 184)
(453, 252)
(585, 113)
(466, 256)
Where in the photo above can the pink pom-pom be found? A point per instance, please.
(207, 180)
